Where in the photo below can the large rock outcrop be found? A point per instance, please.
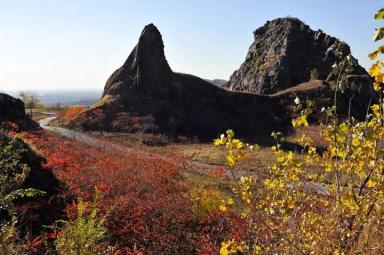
(13, 110)
(286, 52)
(145, 93)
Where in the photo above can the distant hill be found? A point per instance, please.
(65, 97)
(218, 82)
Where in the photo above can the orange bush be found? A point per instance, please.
(71, 112)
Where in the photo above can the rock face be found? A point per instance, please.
(146, 94)
(12, 109)
(286, 52)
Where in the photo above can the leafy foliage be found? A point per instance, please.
(144, 194)
(327, 202)
(82, 234)
(13, 173)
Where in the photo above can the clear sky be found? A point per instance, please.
(69, 44)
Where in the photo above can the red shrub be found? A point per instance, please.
(143, 196)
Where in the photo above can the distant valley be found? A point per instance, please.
(64, 97)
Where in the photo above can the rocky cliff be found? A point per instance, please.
(145, 94)
(286, 52)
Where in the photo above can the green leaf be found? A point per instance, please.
(380, 14)
(379, 34)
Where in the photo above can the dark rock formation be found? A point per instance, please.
(145, 86)
(286, 52)
(12, 110)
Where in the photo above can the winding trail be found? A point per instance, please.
(188, 166)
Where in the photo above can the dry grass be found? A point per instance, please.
(255, 163)
(314, 132)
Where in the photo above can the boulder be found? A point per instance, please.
(13, 110)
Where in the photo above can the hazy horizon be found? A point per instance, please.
(78, 44)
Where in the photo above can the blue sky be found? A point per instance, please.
(68, 44)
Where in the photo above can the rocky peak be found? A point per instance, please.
(144, 67)
(150, 49)
(287, 52)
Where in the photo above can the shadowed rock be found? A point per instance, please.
(12, 110)
(178, 104)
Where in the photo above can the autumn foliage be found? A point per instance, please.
(147, 202)
(71, 112)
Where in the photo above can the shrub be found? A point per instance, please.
(316, 203)
(205, 201)
(13, 173)
(82, 234)
(71, 112)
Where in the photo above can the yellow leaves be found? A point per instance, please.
(204, 201)
(300, 121)
(349, 204)
(233, 146)
(379, 50)
(230, 160)
(230, 133)
(290, 203)
(371, 184)
(272, 184)
(379, 14)
(230, 201)
(223, 208)
(237, 144)
(233, 247)
(376, 109)
(218, 142)
(355, 142)
(375, 69)
(337, 152)
(343, 127)
(280, 159)
(377, 86)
